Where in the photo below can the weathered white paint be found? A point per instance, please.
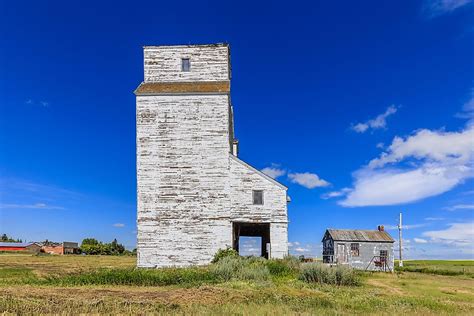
(208, 63)
(190, 187)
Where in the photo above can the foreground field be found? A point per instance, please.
(23, 291)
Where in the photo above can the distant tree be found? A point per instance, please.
(92, 246)
(5, 238)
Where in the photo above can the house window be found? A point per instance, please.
(185, 64)
(355, 250)
(258, 197)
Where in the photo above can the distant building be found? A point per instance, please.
(360, 249)
(20, 246)
(64, 248)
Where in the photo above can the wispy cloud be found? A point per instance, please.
(308, 180)
(420, 240)
(274, 171)
(405, 227)
(40, 206)
(42, 103)
(460, 207)
(434, 8)
(335, 194)
(434, 218)
(118, 225)
(378, 122)
(457, 234)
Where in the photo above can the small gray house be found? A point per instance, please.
(361, 249)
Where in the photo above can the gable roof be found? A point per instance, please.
(243, 163)
(359, 235)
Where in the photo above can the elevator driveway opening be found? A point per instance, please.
(252, 230)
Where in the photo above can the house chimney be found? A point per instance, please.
(380, 228)
(235, 147)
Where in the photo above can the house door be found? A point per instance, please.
(341, 253)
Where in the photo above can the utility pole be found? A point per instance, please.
(400, 262)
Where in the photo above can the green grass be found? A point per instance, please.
(439, 267)
(105, 285)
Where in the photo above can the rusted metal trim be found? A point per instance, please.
(205, 87)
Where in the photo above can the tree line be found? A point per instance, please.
(91, 246)
(5, 238)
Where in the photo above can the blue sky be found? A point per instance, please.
(362, 109)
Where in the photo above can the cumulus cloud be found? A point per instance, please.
(378, 122)
(420, 240)
(434, 8)
(308, 180)
(118, 225)
(458, 234)
(422, 165)
(274, 171)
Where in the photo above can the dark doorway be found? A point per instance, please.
(252, 230)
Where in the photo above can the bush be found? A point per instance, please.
(223, 253)
(324, 274)
(288, 266)
(239, 268)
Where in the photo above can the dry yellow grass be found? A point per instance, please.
(381, 293)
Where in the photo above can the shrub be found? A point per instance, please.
(288, 266)
(324, 274)
(223, 253)
(239, 268)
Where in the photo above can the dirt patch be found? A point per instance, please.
(386, 287)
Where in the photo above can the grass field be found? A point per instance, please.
(48, 284)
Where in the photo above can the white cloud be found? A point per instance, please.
(420, 240)
(380, 145)
(301, 249)
(274, 171)
(335, 194)
(434, 218)
(308, 180)
(405, 227)
(44, 103)
(458, 234)
(119, 225)
(460, 207)
(435, 162)
(433, 8)
(42, 206)
(377, 122)
(438, 146)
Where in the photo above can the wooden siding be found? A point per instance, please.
(208, 63)
(189, 186)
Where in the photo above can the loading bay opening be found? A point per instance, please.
(262, 230)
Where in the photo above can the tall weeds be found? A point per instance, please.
(324, 274)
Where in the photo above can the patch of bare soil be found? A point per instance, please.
(386, 287)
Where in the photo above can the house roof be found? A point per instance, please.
(359, 235)
(15, 244)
